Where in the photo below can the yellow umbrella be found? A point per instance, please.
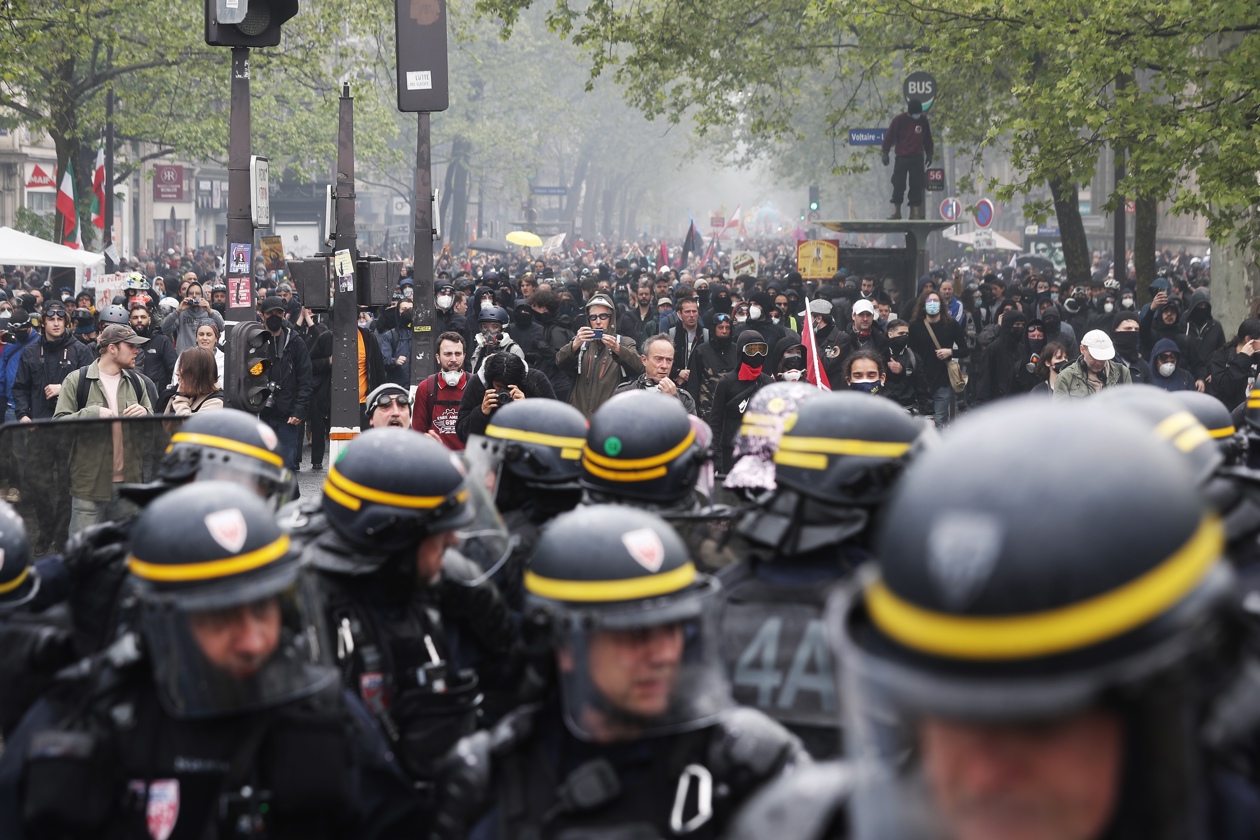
(525, 239)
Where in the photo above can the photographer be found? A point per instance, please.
(181, 325)
(291, 380)
(1233, 366)
(503, 378)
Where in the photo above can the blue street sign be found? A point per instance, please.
(549, 190)
(866, 136)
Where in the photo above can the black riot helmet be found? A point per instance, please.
(642, 450)
(229, 445)
(112, 314)
(210, 568)
(991, 611)
(530, 453)
(19, 582)
(390, 488)
(1214, 417)
(837, 461)
(1172, 422)
(606, 577)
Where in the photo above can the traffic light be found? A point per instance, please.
(813, 198)
(247, 367)
(802, 215)
(247, 23)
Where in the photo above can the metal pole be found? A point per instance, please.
(345, 378)
(240, 227)
(424, 318)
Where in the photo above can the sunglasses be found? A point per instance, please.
(1166, 357)
(387, 398)
(605, 316)
(756, 349)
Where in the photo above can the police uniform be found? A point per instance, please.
(834, 467)
(990, 614)
(412, 649)
(163, 737)
(673, 761)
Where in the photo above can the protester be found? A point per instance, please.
(200, 388)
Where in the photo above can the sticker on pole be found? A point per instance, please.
(951, 209)
(984, 213)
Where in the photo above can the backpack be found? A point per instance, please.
(84, 385)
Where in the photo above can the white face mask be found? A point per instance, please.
(791, 375)
(754, 312)
(739, 319)
(1108, 307)
(1167, 368)
(451, 377)
(1127, 303)
(444, 301)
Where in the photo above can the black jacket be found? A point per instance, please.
(1230, 372)
(291, 375)
(46, 363)
(157, 359)
(472, 422)
(730, 401)
(319, 345)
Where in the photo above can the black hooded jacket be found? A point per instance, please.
(732, 396)
(1204, 334)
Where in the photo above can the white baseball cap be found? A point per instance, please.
(1099, 344)
(863, 305)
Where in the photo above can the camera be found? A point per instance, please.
(504, 397)
(191, 302)
(270, 402)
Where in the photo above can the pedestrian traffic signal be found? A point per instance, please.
(813, 198)
(247, 23)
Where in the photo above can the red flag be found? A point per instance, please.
(68, 211)
(664, 258)
(815, 373)
(736, 220)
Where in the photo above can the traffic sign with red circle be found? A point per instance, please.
(984, 213)
(951, 209)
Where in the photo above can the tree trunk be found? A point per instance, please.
(590, 206)
(1146, 221)
(458, 175)
(1071, 231)
(571, 199)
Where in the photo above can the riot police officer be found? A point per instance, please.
(644, 741)
(834, 468)
(413, 623)
(530, 457)
(35, 642)
(220, 717)
(642, 450)
(1011, 669)
(226, 445)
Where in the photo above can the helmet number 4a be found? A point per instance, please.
(809, 671)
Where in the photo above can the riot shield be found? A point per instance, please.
(64, 474)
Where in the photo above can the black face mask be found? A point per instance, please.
(405, 318)
(1052, 324)
(1059, 366)
(722, 303)
(1036, 344)
(23, 334)
(1199, 314)
(899, 343)
(144, 331)
(1126, 343)
(274, 322)
(221, 308)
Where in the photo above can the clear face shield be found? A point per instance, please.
(483, 538)
(238, 647)
(978, 758)
(643, 670)
(186, 462)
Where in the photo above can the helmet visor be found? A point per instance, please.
(645, 669)
(228, 652)
(483, 538)
(187, 462)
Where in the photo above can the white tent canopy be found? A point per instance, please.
(1000, 242)
(17, 248)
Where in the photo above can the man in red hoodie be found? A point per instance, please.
(912, 136)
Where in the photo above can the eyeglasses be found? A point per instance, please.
(756, 349)
(603, 316)
(390, 397)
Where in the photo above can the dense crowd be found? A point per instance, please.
(656, 553)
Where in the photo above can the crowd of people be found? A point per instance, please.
(653, 554)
